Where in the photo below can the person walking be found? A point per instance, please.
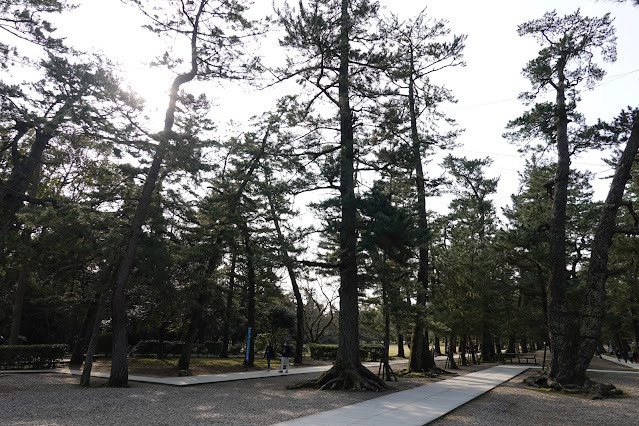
(286, 353)
(269, 354)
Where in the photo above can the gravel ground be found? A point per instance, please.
(53, 399)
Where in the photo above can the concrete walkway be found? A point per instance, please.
(199, 380)
(627, 364)
(416, 406)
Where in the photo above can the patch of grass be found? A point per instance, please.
(153, 362)
(393, 350)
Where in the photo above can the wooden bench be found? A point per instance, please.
(508, 356)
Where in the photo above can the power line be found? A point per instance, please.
(610, 79)
(521, 156)
(614, 78)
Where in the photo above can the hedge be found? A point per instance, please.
(371, 351)
(33, 356)
(367, 352)
(152, 347)
(326, 352)
(105, 344)
(213, 348)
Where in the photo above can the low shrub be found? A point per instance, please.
(105, 344)
(325, 352)
(367, 352)
(31, 356)
(151, 347)
(213, 348)
(236, 349)
(371, 351)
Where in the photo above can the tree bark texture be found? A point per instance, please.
(561, 320)
(348, 351)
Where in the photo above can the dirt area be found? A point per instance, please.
(513, 403)
(168, 368)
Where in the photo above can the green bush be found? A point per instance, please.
(371, 351)
(213, 348)
(367, 352)
(236, 349)
(33, 356)
(176, 348)
(105, 344)
(326, 352)
(149, 347)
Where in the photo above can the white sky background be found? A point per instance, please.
(486, 88)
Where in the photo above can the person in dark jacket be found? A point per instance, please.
(269, 354)
(286, 353)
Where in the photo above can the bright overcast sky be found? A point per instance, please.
(486, 88)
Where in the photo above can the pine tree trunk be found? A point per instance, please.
(119, 369)
(85, 379)
(462, 350)
(31, 168)
(562, 321)
(438, 350)
(400, 344)
(251, 284)
(387, 373)
(84, 336)
(347, 372)
(25, 174)
(348, 351)
(194, 325)
(162, 339)
(420, 359)
(451, 351)
(488, 346)
(593, 307)
(299, 303)
(229, 307)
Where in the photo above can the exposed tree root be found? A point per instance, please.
(345, 378)
(589, 388)
(431, 373)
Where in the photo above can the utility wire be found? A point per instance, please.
(610, 79)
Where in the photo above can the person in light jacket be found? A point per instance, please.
(286, 353)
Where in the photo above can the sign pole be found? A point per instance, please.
(248, 346)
